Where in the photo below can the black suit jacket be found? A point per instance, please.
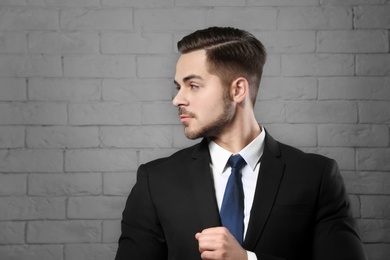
(300, 211)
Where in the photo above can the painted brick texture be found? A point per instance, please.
(85, 98)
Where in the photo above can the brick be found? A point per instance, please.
(118, 183)
(59, 89)
(22, 19)
(111, 231)
(11, 233)
(377, 207)
(355, 206)
(256, 18)
(353, 135)
(63, 42)
(44, 66)
(273, 66)
(14, 2)
(16, 65)
(32, 208)
(357, 41)
(96, 207)
(135, 90)
(373, 64)
(270, 112)
(72, 231)
(105, 113)
(139, 3)
(212, 3)
(90, 251)
(13, 185)
(156, 66)
(318, 18)
(283, 2)
(68, 184)
(321, 112)
(368, 17)
(12, 89)
(99, 66)
(136, 43)
(53, 3)
(368, 182)
(62, 137)
(31, 252)
(33, 113)
(298, 135)
(374, 112)
(287, 41)
(374, 230)
(169, 19)
(179, 139)
(13, 42)
(31, 160)
(93, 160)
(161, 113)
(65, 3)
(137, 137)
(345, 157)
(11, 136)
(352, 88)
(318, 65)
(377, 251)
(373, 159)
(97, 19)
(353, 2)
(287, 88)
(12, 65)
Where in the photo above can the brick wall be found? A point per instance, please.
(85, 97)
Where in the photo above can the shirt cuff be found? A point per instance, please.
(251, 255)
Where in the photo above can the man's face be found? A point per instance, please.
(204, 105)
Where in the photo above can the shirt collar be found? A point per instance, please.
(251, 153)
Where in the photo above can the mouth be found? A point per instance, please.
(185, 118)
(185, 115)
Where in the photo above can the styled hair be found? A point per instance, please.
(230, 53)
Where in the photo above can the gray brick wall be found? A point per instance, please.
(85, 98)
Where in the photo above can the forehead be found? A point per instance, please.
(192, 63)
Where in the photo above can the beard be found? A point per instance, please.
(213, 128)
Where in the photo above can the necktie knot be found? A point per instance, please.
(236, 161)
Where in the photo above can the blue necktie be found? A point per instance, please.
(232, 209)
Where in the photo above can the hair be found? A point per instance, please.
(230, 53)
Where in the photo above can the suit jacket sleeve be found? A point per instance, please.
(142, 236)
(335, 236)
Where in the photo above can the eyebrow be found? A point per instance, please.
(188, 78)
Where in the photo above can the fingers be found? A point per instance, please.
(217, 243)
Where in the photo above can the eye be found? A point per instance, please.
(194, 87)
(177, 87)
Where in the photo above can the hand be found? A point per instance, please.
(218, 243)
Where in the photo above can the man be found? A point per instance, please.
(289, 204)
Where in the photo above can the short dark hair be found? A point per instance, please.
(230, 53)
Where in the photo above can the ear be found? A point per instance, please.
(239, 89)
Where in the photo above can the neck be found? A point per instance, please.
(237, 135)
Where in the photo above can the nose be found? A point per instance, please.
(179, 99)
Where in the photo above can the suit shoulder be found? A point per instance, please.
(179, 156)
(291, 153)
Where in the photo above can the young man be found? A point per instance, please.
(289, 204)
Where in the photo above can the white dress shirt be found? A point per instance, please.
(221, 172)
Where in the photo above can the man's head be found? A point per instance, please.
(217, 75)
(230, 53)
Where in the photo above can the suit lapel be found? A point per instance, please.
(270, 176)
(203, 185)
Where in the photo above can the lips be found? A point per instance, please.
(185, 115)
